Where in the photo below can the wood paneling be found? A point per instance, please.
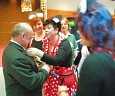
(3, 27)
(9, 18)
(4, 38)
(10, 14)
(5, 32)
(65, 14)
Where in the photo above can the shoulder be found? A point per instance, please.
(96, 65)
(65, 42)
(98, 60)
(65, 45)
(71, 38)
(71, 35)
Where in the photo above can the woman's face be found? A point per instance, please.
(85, 41)
(64, 26)
(38, 26)
(49, 29)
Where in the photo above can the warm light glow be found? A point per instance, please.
(13, 2)
(39, 14)
(31, 16)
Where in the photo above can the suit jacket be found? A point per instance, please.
(22, 77)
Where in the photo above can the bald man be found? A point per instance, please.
(22, 76)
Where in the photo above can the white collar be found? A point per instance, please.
(17, 43)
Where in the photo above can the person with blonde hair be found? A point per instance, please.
(56, 52)
(65, 33)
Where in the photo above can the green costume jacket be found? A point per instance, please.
(97, 76)
(22, 77)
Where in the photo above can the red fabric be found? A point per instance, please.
(2, 47)
(64, 70)
(52, 83)
(47, 44)
(68, 80)
(105, 50)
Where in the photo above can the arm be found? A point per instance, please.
(63, 53)
(27, 75)
(75, 47)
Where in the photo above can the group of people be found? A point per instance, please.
(39, 59)
(40, 42)
(57, 52)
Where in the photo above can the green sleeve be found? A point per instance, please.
(22, 71)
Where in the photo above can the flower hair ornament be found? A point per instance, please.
(32, 15)
(57, 18)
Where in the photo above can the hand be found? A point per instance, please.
(63, 94)
(34, 52)
(62, 91)
(38, 61)
(46, 67)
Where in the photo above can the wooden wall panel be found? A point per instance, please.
(3, 27)
(65, 14)
(10, 14)
(10, 10)
(5, 38)
(8, 20)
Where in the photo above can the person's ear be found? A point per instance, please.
(23, 36)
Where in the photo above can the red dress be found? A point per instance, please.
(58, 75)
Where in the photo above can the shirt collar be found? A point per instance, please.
(17, 43)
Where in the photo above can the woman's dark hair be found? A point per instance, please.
(53, 23)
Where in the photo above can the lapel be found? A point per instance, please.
(22, 50)
(17, 47)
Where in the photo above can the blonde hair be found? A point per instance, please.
(67, 22)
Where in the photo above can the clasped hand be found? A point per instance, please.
(37, 55)
(34, 52)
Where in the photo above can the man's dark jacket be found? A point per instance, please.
(22, 77)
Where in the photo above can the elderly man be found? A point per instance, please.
(22, 76)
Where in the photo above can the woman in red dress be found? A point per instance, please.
(56, 52)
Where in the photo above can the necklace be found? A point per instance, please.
(47, 44)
